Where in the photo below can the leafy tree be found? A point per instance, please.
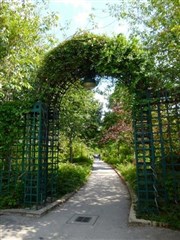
(24, 38)
(117, 127)
(79, 116)
(157, 24)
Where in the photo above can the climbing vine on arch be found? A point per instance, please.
(86, 54)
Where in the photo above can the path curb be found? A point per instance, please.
(40, 212)
(132, 219)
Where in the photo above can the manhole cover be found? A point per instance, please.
(83, 219)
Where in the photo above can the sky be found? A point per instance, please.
(77, 14)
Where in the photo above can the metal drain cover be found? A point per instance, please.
(83, 219)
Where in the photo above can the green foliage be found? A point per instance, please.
(128, 171)
(83, 161)
(79, 111)
(14, 198)
(8, 201)
(80, 118)
(71, 176)
(87, 54)
(114, 154)
(122, 96)
(126, 153)
(81, 149)
(157, 24)
(22, 45)
(24, 38)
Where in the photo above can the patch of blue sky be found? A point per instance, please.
(78, 14)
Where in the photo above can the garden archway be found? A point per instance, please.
(89, 55)
(83, 56)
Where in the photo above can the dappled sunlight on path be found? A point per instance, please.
(104, 198)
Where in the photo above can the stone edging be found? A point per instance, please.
(40, 212)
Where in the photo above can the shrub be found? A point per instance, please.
(73, 175)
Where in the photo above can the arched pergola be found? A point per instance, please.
(92, 56)
(88, 55)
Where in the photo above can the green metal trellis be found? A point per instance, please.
(29, 168)
(32, 168)
(157, 143)
(35, 155)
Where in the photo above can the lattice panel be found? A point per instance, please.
(35, 156)
(157, 144)
(53, 153)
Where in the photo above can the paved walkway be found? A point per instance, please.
(99, 211)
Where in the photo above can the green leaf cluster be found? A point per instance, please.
(156, 23)
(87, 54)
(24, 39)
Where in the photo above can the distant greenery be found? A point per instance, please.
(80, 120)
(125, 165)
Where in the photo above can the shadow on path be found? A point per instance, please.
(104, 200)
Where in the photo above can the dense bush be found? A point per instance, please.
(14, 198)
(71, 176)
(124, 163)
